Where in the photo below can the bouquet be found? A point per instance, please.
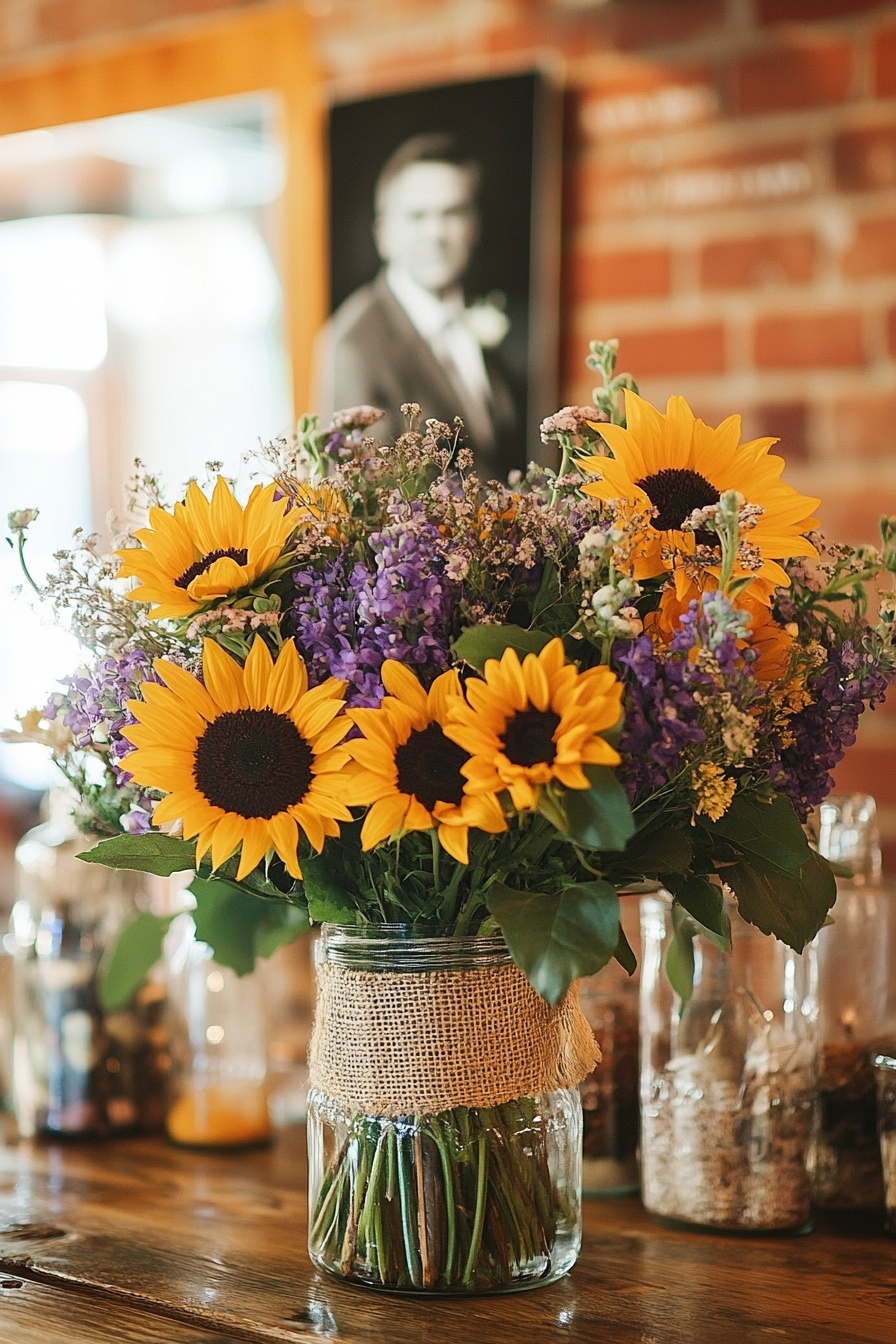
(381, 691)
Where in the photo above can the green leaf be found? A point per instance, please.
(477, 643)
(152, 853)
(660, 851)
(680, 954)
(624, 953)
(328, 901)
(557, 936)
(599, 817)
(130, 958)
(791, 908)
(769, 835)
(705, 901)
(238, 926)
(283, 924)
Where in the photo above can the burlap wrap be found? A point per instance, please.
(388, 1044)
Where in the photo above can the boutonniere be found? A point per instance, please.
(488, 321)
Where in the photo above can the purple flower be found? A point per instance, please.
(665, 691)
(95, 706)
(350, 617)
(824, 729)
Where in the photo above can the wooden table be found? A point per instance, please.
(137, 1242)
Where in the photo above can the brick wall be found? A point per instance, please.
(729, 206)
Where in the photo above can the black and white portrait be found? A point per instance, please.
(440, 273)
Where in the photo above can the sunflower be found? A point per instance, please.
(665, 466)
(250, 760)
(207, 549)
(410, 771)
(526, 725)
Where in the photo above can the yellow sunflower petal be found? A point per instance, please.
(257, 672)
(223, 677)
(455, 841)
(384, 819)
(401, 682)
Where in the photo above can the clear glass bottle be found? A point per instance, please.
(728, 1080)
(466, 1200)
(857, 1006)
(77, 1069)
(610, 1109)
(885, 1070)
(218, 1086)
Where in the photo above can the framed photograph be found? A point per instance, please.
(444, 259)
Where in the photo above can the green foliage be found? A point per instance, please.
(624, 953)
(599, 817)
(555, 936)
(704, 901)
(326, 894)
(129, 960)
(791, 908)
(477, 643)
(680, 954)
(238, 927)
(782, 885)
(153, 853)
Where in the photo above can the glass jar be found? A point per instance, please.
(885, 1069)
(728, 1079)
(460, 1199)
(610, 1118)
(78, 1069)
(217, 1093)
(857, 1006)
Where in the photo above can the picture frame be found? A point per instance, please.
(504, 134)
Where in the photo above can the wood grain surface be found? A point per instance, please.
(137, 1240)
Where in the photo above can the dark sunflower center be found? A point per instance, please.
(675, 492)
(253, 762)
(429, 765)
(237, 553)
(529, 737)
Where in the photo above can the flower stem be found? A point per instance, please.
(24, 567)
(479, 1217)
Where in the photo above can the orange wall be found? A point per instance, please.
(729, 206)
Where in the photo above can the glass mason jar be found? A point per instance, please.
(857, 1007)
(218, 1085)
(610, 1118)
(463, 1199)
(78, 1069)
(728, 1080)
(885, 1069)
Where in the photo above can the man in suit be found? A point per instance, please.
(407, 336)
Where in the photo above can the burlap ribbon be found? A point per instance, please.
(389, 1044)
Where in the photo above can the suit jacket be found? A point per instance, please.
(374, 355)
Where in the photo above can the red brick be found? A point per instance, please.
(746, 263)
(865, 426)
(648, 23)
(636, 274)
(808, 74)
(873, 250)
(631, 96)
(674, 350)
(810, 11)
(884, 62)
(787, 421)
(749, 177)
(814, 340)
(865, 160)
